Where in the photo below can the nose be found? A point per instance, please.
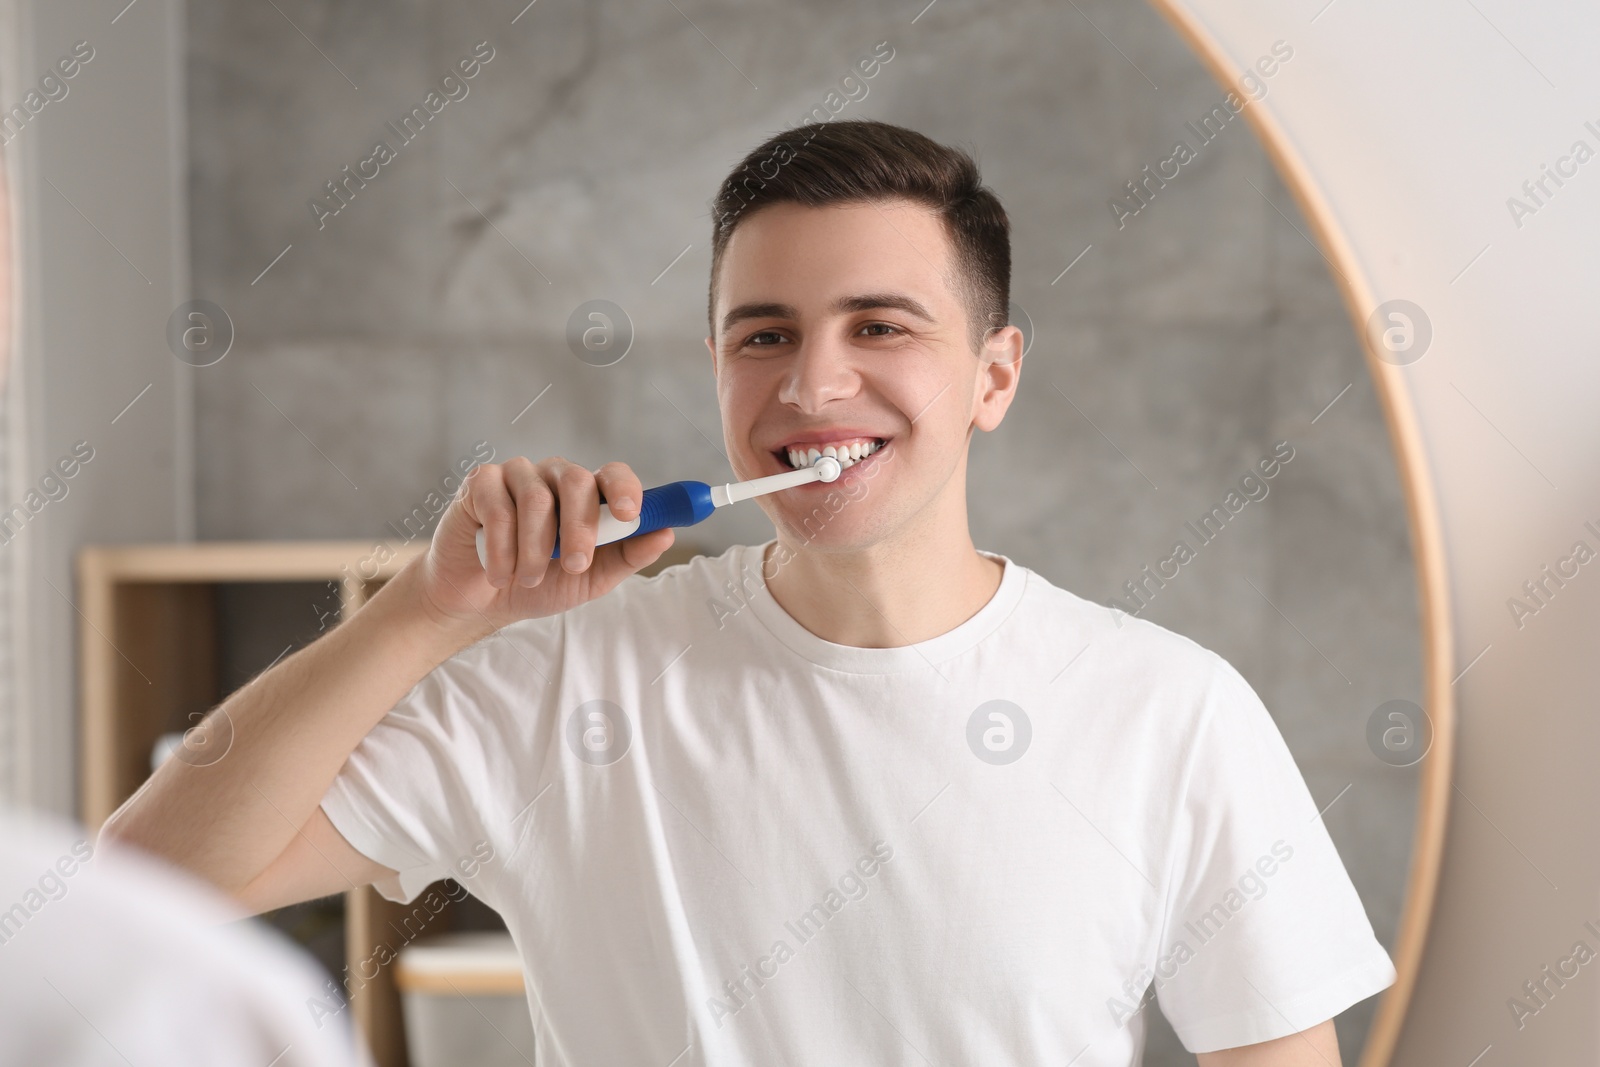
(822, 369)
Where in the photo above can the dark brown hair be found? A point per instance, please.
(863, 160)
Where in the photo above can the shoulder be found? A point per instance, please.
(1142, 653)
(1142, 692)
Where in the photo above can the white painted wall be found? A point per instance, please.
(97, 181)
(1419, 122)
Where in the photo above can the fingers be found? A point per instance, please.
(491, 504)
(626, 557)
(639, 552)
(621, 488)
(578, 512)
(522, 505)
(535, 505)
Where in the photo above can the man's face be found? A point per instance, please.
(847, 328)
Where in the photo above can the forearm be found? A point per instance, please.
(1316, 1047)
(293, 727)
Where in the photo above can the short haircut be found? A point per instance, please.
(863, 161)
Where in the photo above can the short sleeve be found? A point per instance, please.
(1264, 934)
(425, 792)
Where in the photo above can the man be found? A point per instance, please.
(861, 794)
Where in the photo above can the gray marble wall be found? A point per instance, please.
(1175, 353)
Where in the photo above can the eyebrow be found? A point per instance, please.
(844, 305)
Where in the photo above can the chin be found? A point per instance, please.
(825, 531)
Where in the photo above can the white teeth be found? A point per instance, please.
(846, 455)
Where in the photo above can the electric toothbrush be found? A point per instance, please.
(688, 502)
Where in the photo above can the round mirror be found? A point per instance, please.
(1198, 440)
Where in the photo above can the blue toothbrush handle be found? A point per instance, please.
(673, 504)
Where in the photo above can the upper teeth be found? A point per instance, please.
(847, 455)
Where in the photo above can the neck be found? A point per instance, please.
(888, 594)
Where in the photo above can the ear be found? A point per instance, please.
(999, 372)
(712, 347)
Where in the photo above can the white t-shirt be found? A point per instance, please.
(717, 838)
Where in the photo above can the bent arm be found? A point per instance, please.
(250, 822)
(292, 729)
(318, 862)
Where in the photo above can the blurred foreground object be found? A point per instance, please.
(108, 957)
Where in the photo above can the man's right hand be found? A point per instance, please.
(522, 505)
(256, 830)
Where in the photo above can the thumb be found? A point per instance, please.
(620, 559)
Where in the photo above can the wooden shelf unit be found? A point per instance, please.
(148, 664)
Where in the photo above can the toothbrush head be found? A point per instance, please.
(827, 468)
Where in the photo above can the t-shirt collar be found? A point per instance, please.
(854, 660)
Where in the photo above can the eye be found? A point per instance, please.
(884, 325)
(752, 339)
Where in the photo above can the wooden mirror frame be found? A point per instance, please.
(1422, 517)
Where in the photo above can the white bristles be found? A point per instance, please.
(827, 468)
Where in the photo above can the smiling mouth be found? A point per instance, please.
(848, 456)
